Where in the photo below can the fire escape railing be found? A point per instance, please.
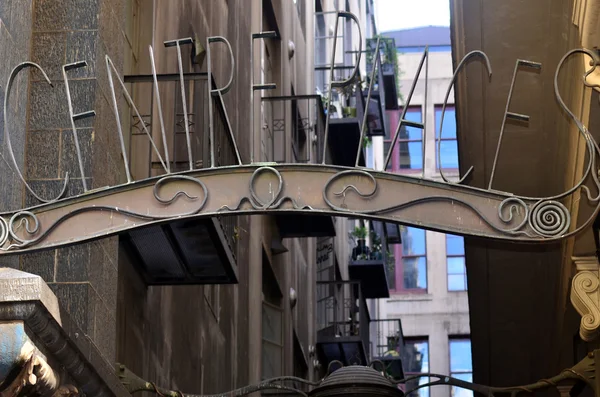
(296, 118)
(143, 163)
(342, 313)
(387, 337)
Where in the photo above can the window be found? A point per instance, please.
(449, 145)
(461, 364)
(415, 359)
(408, 152)
(407, 268)
(272, 324)
(413, 259)
(455, 263)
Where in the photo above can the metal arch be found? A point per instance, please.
(288, 188)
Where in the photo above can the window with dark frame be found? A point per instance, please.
(448, 147)
(272, 323)
(415, 359)
(455, 263)
(409, 266)
(461, 364)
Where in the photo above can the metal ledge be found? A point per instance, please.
(286, 189)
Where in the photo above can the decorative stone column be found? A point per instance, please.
(585, 296)
(42, 351)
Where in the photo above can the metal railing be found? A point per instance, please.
(178, 123)
(301, 118)
(386, 338)
(342, 311)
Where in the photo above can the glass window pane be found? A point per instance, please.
(415, 272)
(416, 356)
(412, 133)
(449, 154)
(457, 282)
(455, 245)
(271, 360)
(449, 122)
(457, 391)
(460, 355)
(456, 265)
(411, 155)
(415, 359)
(271, 324)
(413, 241)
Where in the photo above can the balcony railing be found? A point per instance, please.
(182, 252)
(369, 261)
(342, 322)
(387, 345)
(296, 118)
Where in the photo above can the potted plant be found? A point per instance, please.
(376, 253)
(360, 234)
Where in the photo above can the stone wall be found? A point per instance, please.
(52, 33)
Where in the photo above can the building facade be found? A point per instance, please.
(428, 277)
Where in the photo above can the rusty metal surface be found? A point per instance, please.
(299, 188)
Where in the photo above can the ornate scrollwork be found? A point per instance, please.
(550, 218)
(585, 297)
(274, 202)
(31, 222)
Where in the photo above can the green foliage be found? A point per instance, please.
(390, 54)
(359, 232)
(366, 142)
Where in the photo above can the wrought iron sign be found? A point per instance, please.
(251, 187)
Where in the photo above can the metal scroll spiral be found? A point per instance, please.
(31, 223)
(550, 218)
(256, 202)
(507, 210)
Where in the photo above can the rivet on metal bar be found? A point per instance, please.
(518, 64)
(257, 87)
(218, 92)
(178, 43)
(517, 116)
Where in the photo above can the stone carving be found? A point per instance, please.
(585, 296)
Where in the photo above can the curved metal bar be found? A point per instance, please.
(488, 66)
(24, 216)
(341, 83)
(592, 146)
(11, 79)
(216, 39)
(159, 105)
(224, 90)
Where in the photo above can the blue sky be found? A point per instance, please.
(405, 14)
